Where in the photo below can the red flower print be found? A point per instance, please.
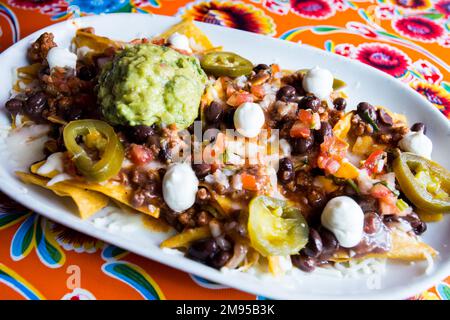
(435, 94)
(233, 14)
(344, 49)
(419, 28)
(313, 9)
(383, 57)
(412, 4)
(33, 4)
(443, 7)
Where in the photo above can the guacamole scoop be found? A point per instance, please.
(148, 84)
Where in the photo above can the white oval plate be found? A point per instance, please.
(401, 280)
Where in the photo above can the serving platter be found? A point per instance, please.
(399, 280)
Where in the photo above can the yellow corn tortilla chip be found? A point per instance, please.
(404, 247)
(96, 44)
(190, 30)
(182, 240)
(87, 202)
(397, 117)
(342, 127)
(113, 190)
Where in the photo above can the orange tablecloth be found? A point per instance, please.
(39, 259)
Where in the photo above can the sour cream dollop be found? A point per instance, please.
(345, 219)
(61, 57)
(319, 82)
(179, 41)
(249, 119)
(418, 143)
(179, 187)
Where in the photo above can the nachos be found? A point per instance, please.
(250, 164)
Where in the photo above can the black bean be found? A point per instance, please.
(329, 242)
(260, 67)
(310, 102)
(385, 117)
(203, 249)
(73, 113)
(220, 259)
(214, 112)
(390, 218)
(316, 198)
(171, 217)
(14, 106)
(201, 169)
(43, 71)
(164, 154)
(325, 131)
(367, 203)
(140, 134)
(340, 104)
(417, 225)
(286, 170)
(224, 242)
(372, 222)
(138, 199)
(419, 126)
(302, 145)
(303, 262)
(35, 104)
(286, 93)
(366, 109)
(86, 73)
(228, 118)
(314, 246)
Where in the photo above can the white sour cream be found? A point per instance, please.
(179, 41)
(345, 219)
(61, 57)
(418, 143)
(53, 163)
(179, 187)
(249, 119)
(319, 82)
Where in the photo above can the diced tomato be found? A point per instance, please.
(249, 182)
(372, 162)
(388, 207)
(258, 91)
(230, 89)
(300, 130)
(332, 152)
(239, 98)
(139, 154)
(380, 191)
(334, 146)
(329, 164)
(305, 116)
(275, 68)
(387, 200)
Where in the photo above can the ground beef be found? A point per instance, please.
(37, 52)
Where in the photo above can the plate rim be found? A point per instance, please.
(192, 267)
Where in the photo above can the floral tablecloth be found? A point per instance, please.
(39, 259)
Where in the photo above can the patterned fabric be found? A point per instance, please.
(408, 39)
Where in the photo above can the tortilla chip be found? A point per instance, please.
(342, 127)
(409, 248)
(396, 117)
(97, 44)
(184, 239)
(404, 247)
(113, 190)
(87, 202)
(190, 30)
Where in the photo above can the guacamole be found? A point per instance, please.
(147, 84)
